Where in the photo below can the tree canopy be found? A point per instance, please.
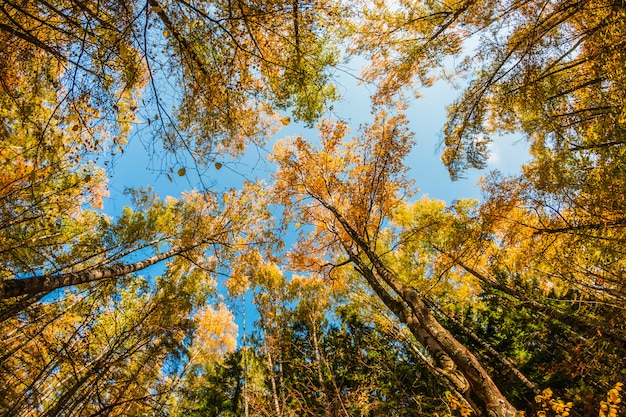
(330, 287)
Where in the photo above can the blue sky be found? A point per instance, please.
(138, 168)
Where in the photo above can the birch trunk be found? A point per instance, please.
(45, 283)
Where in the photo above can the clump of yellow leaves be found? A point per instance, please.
(559, 407)
(216, 333)
(610, 407)
(457, 404)
(238, 282)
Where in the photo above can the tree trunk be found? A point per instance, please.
(454, 360)
(46, 283)
(272, 374)
(457, 362)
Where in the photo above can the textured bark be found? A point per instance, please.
(445, 364)
(46, 283)
(456, 361)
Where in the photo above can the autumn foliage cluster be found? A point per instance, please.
(331, 288)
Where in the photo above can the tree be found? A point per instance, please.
(71, 83)
(112, 324)
(71, 86)
(549, 240)
(551, 69)
(495, 301)
(156, 227)
(231, 64)
(514, 296)
(316, 349)
(347, 195)
(76, 78)
(44, 182)
(117, 350)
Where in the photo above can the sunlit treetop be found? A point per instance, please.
(364, 178)
(208, 77)
(553, 70)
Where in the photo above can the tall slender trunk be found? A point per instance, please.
(320, 358)
(272, 375)
(244, 358)
(46, 283)
(281, 382)
(318, 367)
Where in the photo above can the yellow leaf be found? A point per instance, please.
(216, 334)
(182, 171)
(124, 50)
